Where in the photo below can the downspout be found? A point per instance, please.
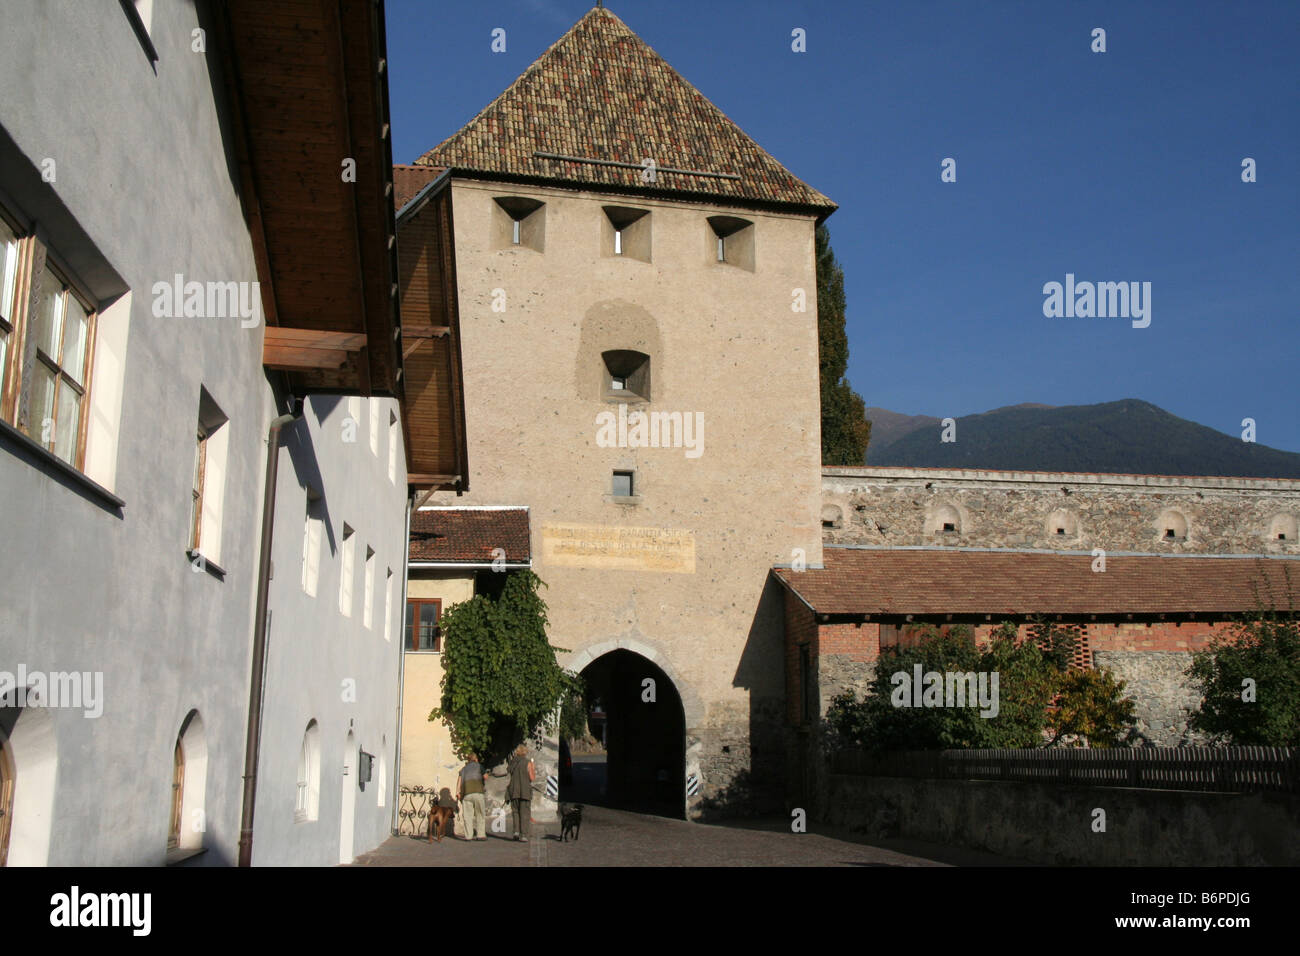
(253, 744)
(401, 668)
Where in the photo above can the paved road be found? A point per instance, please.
(619, 838)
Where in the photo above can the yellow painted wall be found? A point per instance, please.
(427, 759)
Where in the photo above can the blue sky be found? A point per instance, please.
(1115, 166)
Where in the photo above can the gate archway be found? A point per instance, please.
(643, 724)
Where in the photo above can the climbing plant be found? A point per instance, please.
(501, 682)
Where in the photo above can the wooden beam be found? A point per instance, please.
(288, 357)
(425, 480)
(314, 339)
(426, 332)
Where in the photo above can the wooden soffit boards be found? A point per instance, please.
(310, 94)
(433, 406)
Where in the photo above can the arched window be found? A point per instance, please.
(1062, 525)
(944, 520)
(31, 751)
(6, 797)
(178, 784)
(1282, 528)
(308, 802)
(1172, 526)
(189, 786)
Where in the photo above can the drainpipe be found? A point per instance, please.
(401, 668)
(253, 744)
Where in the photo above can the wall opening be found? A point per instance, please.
(635, 710)
(31, 748)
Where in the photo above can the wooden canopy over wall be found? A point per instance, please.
(433, 413)
(310, 93)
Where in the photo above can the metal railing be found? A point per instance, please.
(1214, 769)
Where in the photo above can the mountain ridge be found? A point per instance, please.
(1128, 436)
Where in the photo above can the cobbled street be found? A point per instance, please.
(619, 838)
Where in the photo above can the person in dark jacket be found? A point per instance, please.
(520, 790)
(472, 799)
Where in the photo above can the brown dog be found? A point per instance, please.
(439, 817)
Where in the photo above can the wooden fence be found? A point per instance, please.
(1217, 769)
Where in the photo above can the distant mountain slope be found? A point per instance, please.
(1128, 436)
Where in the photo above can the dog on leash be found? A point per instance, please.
(571, 815)
(439, 817)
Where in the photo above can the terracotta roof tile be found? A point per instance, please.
(470, 534)
(600, 92)
(885, 582)
(409, 180)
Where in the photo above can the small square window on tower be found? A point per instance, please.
(519, 221)
(626, 375)
(626, 233)
(732, 241)
(623, 487)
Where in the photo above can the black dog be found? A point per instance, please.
(571, 815)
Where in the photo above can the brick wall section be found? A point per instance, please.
(859, 642)
(800, 628)
(1158, 636)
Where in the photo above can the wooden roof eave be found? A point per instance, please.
(346, 52)
(437, 194)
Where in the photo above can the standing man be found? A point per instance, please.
(520, 791)
(470, 792)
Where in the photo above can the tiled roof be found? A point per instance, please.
(470, 534)
(600, 92)
(885, 582)
(409, 180)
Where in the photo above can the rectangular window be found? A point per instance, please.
(368, 605)
(622, 484)
(9, 247)
(422, 633)
(61, 336)
(347, 571)
(311, 542)
(392, 448)
(388, 605)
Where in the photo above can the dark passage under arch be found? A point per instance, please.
(644, 730)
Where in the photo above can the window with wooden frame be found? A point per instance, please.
(47, 340)
(6, 798)
(196, 515)
(178, 793)
(10, 247)
(422, 631)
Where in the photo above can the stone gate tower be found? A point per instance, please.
(636, 290)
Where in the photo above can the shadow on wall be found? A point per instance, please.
(756, 780)
(306, 465)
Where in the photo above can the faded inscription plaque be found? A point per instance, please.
(619, 549)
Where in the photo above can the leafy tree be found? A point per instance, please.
(1259, 652)
(845, 429)
(1025, 685)
(573, 716)
(1091, 707)
(501, 682)
(1037, 690)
